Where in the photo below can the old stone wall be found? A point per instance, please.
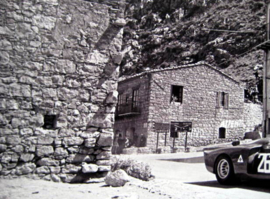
(201, 84)
(253, 116)
(59, 70)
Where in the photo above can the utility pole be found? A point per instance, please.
(266, 78)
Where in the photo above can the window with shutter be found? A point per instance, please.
(135, 99)
(218, 99)
(222, 100)
(226, 101)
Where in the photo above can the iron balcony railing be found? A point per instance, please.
(131, 108)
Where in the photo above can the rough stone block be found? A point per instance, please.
(89, 168)
(96, 57)
(45, 140)
(112, 97)
(79, 158)
(55, 178)
(102, 121)
(61, 122)
(86, 151)
(71, 168)
(57, 80)
(90, 142)
(117, 178)
(67, 94)
(120, 22)
(13, 140)
(71, 141)
(45, 22)
(43, 170)
(48, 162)
(73, 150)
(89, 134)
(20, 90)
(27, 80)
(3, 148)
(105, 139)
(46, 177)
(3, 120)
(27, 157)
(104, 168)
(18, 148)
(84, 96)
(30, 141)
(67, 178)
(44, 151)
(65, 66)
(6, 158)
(12, 105)
(31, 149)
(46, 132)
(2, 140)
(103, 163)
(11, 166)
(26, 105)
(4, 132)
(14, 157)
(16, 122)
(33, 65)
(25, 169)
(38, 120)
(66, 133)
(60, 153)
(26, 131)
(56, 169)
(49, 93)
(73, 83)
(5, 45)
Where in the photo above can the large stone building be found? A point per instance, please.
(153, 107)
(59, 66)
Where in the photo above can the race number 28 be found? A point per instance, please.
(264, 166)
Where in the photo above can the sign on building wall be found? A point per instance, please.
(161, 127)
(181, 126)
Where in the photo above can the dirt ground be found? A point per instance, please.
(32, 189)
(178, 176)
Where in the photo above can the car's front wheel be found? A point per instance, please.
(224, 170)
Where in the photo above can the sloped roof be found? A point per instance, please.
(202, 63)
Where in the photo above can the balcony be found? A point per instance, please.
(128, 109)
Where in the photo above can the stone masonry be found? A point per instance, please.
(59, 62)
(200, 105)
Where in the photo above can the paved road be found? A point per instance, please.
(183, 175)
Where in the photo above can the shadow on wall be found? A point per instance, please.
(98, 165)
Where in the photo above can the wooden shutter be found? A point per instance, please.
(218, 99)
(226, 96)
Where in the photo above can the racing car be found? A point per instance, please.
(230, 162)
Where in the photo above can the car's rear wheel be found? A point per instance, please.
(224, 170)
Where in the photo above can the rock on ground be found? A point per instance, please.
(117, 178)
